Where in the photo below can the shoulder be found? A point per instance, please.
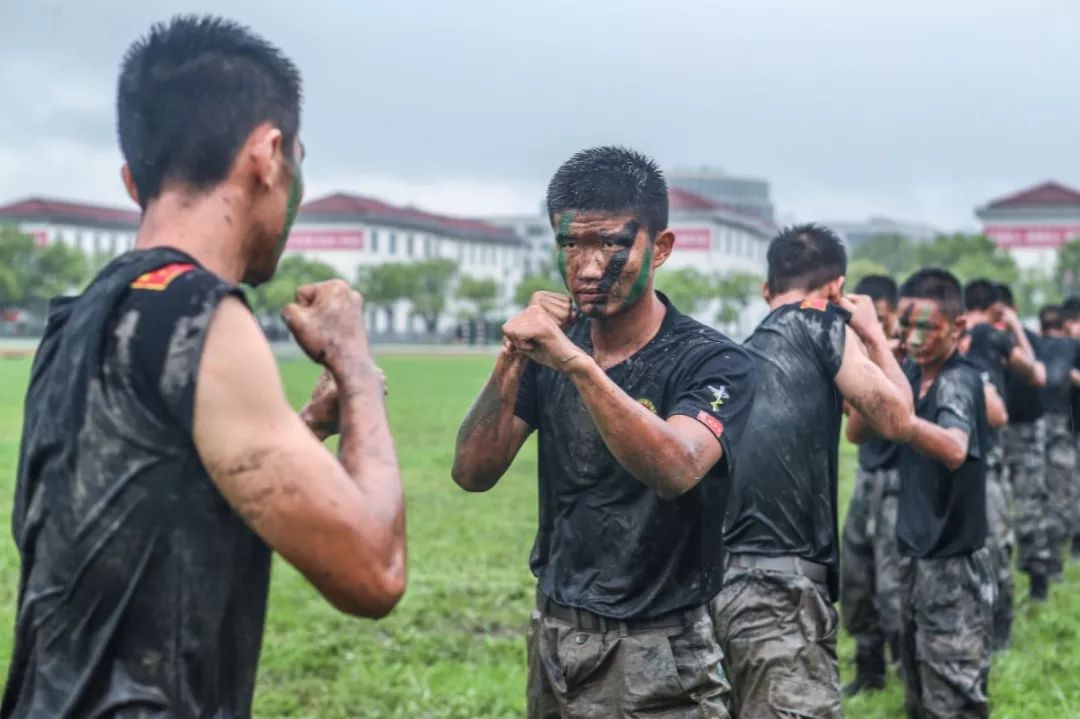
(960, 378)
(179, 283)
(699, 342)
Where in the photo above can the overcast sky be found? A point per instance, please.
(915, 110)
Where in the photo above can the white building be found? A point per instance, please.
(1033, 224)
(94, 229)
(856, 232)
(351, 231)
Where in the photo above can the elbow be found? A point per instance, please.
(900, 428)
(471, 481)
(954, 461)
(377, 592)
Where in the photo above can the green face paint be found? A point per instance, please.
(560, 256)
(642, 281)
(918, 332)
(296, 193)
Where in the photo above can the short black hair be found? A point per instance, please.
(878, 287)
(1005, 294)
(1070, 309)
(190, 92)
(805, 257)
(1072, 302)
(1051, 317)
(934, 283)
(980, 294)
(611, 179)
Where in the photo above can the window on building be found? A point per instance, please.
(409, 246)
(429, 247)
(392, 249)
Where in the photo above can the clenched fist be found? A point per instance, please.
(560, 307)
(535, 333)
(328, 323)
(864, 319)
(322, 412)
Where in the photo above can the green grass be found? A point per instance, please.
(455, 645)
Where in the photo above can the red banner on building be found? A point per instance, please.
(692, 238)
(1031, 236)
(41, 237)
(326, 240)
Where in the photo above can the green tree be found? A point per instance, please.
(689, 289)
(736, 291)
(859, 268)
(429, 286)
(968, 257)
(292, 272)
(481, 293)
(1067, 271)
(536, 283)
(383, 285)
(31, 275)
(893, 252)
(1035, 288)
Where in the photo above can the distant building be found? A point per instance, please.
(745, 195)
(855, 233)
(94, 229)
(351, 231)
(1034, 223)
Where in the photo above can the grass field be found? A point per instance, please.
(455, 645)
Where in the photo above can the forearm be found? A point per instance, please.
(858, 430)
(941, 444)
(486, 440)
(643, 443)
(883, 356)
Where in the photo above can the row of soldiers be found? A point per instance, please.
(1032, 477)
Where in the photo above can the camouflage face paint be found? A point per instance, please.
(560, 257)
(642, 281)
(296, 193)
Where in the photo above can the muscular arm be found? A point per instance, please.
(670, 456)
(996, 413)
(341, 523)
(946, 445)
(491, 435)
(858, 430)
(872, 381)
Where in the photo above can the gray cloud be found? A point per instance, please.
(919, 109)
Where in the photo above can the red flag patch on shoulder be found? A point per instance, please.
(160, 278)
(814, 303)
(711, 422)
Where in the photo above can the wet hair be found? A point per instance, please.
(1051, 317)
(1005, 294)
(190, 93)
(941, 286)
(878, 287)
(804, 257)
(980, 294)
(1071, 304)
(611, 179)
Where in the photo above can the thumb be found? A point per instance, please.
(292, 313)
(306, 294)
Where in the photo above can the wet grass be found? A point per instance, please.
(455, 645)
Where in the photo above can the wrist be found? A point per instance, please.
(577, 365)
(355, 376)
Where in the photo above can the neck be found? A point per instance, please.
(977, 317)
(208, 227)
(630, 330)
(786, 298)
(1054, 333)
(931, 371)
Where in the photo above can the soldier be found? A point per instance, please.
(1024, 454)
(816, 348)
(869, 590)
(946, 577)
(1071, 307)
(639, 411)
(994, 340)
(1062, 356)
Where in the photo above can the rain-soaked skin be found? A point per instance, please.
(928, 335)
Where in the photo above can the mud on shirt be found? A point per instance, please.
(942, 513)
(784, 493)
(606, 542)
(142, 593)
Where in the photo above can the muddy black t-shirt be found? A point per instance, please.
(143, 593)
(1023, 401)
(1061, 355)
(989, 349)
(783, 495)
(942, 513)
(877, 453)
(606, 542)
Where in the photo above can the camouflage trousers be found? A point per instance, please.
(670, 672)
(1025, 469)
(1060, 485)
(1000, 541)
(869, 568)
(945, 636)
(778, 634)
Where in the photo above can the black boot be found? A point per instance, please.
(869, 670)
(1040, 588)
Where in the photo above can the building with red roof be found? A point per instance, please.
(1034, 223)
(87, 227)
